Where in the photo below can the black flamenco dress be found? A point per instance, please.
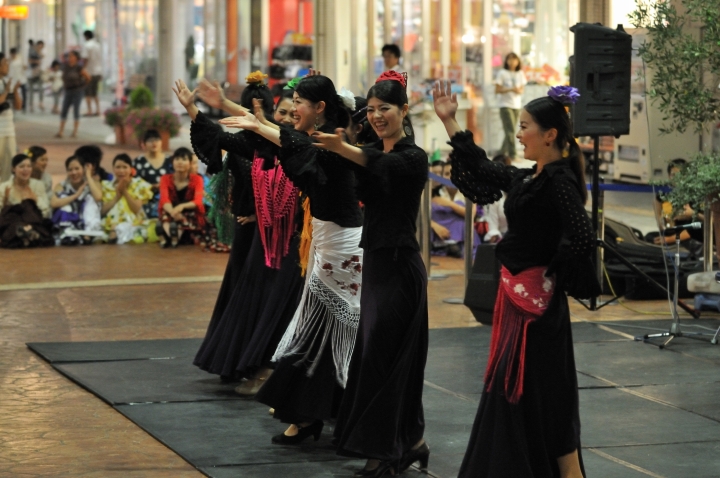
(381, 415)
(242, 204)
(313, 357)
(547, 227)
(242, 338)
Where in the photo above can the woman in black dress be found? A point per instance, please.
(528, 421)
(381, 415)
(243, 334)
(314, 354)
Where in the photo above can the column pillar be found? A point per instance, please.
(170, 60)
(231, 13)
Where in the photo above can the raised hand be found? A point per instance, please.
(246, 121)
(183, 93)
(444, 101)
(211, 93)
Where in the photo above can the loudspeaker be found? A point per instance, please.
(483, 284)
(601, 71)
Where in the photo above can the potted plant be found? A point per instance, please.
(165, 121)
(682, 51)
(115, 118)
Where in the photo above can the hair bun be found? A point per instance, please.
(256, 77)
(393, 75)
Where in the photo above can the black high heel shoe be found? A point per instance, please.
(383, 469)
(303, 432)
(421, 454)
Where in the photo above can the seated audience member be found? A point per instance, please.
(76, 213)
(91, 156)
(665, 216)
(24, 208)
(151, 166)
(122, 203)
(495, 212)
(181, 207)
(436, 168)
(448, 211)
(39, 158)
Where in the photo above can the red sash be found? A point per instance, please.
(521, 300)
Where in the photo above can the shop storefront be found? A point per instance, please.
(465, 41)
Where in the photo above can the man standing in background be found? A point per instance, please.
(93, 65)
(391, 57)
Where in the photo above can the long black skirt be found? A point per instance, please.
(257, 314)
(381, 415)
(297, 397)
(242, 241)
(526, 438)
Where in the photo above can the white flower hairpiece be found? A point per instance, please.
(347, 97)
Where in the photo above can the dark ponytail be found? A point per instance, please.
(549, 114)
(577, 163)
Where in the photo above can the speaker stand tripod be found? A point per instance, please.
(675, 329)
(604, 246)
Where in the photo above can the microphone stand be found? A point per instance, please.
(675, 330)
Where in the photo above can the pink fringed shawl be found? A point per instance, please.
(521, 300)
(275, 205)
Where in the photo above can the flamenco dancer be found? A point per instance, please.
(528, 422)
(381, 415)
(242, 338)
(314, 354)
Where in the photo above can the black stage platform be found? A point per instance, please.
(645, 412)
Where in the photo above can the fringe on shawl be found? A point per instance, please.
(275, 202)
(305, 237)
(521, 300)
(322, 316)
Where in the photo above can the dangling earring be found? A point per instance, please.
(317, 123)
(547, 144)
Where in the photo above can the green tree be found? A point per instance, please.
(683, 50)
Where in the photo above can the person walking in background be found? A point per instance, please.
(92, 57)
(509, 86)
(391, 56)
(75, 78)
(17, 72)
(35, 80)
(9, 99)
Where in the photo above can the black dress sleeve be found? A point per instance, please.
(301, 161)
(474, 174)
(208, 140)
(572, 265)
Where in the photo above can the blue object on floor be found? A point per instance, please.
(711, 301)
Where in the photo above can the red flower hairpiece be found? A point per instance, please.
(393, 76)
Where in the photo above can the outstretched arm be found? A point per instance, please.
(249, 122)
(213, 95)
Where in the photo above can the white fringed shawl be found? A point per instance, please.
(330, 306)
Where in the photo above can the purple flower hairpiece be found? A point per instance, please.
(564, 94)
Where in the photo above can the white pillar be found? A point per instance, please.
(170, 60)
(333, 40)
